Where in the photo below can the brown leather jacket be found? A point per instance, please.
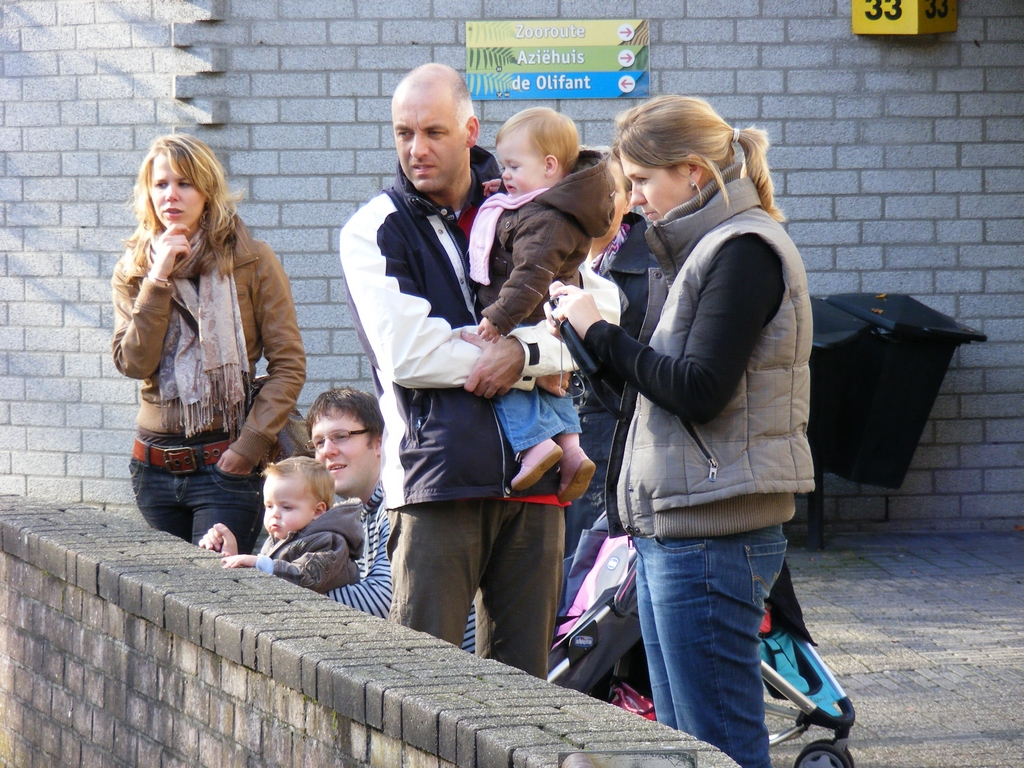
(142, 310)
(546, 240)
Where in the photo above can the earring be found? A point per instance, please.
(693, 185)
(204, 218)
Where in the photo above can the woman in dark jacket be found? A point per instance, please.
(623, 257)
(716, 446)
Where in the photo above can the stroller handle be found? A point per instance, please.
(626, 590)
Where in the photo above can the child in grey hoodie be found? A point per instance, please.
(309, 544)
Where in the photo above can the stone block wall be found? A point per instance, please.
(121, 647)
(899, 161)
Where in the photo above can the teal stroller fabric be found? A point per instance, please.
(786, 656)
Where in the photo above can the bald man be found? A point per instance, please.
(447, 467)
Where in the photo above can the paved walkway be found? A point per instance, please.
(926, 634)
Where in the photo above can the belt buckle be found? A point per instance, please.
(180, 461)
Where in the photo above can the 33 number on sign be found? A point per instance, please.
(933, 9)
(892, 13)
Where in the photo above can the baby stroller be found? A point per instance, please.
(598, 650)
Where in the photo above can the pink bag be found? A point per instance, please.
(609, 570)
(626, 697)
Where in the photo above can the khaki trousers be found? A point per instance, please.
(441, 553)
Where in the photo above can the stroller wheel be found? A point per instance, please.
(824, 754)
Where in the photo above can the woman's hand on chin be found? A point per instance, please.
(168, 247)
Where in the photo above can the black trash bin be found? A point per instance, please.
(833, 365)
(876, 367)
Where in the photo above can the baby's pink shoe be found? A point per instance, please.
(577, 470)
(536, 460)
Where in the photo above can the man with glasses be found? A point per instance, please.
(345, 426)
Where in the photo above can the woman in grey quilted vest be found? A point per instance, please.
(705, 469)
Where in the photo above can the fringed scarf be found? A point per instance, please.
(204, 365)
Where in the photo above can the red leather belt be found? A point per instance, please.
(179, 461)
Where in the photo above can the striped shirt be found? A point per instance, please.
(372, 593)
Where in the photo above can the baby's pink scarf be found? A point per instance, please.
(481, 237)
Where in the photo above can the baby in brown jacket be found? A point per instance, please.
(558, 199)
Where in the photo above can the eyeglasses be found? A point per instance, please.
(335, 437)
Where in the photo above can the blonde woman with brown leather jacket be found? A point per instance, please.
(197, 303)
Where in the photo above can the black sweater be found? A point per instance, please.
(741, 293)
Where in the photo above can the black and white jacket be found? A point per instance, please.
(406, 275)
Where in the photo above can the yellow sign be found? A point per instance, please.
(487, 34)
(903, 17)
(558, 59)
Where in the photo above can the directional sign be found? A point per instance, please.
(559, 59)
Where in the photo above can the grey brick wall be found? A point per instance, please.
(126, 647)
(900, 162)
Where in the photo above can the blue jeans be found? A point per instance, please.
(189, 505)
(528, 418)
(701, 602)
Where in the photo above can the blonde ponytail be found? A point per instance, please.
(668, 131)
(754, 143)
